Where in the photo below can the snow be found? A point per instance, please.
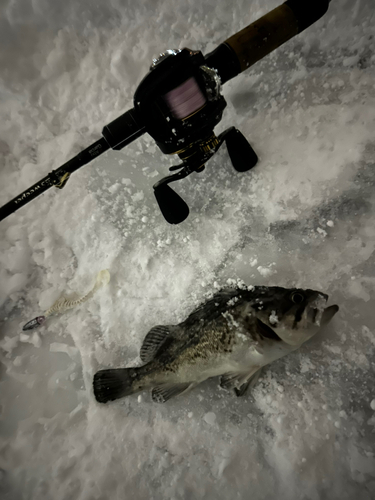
(210, 418)
(302, 218)
(273, 319)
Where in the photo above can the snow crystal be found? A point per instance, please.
(351, 61)
(232, 323)
(273, 318)
(9, 343)
(71, 351)
(114, 188)
(210, 418)
(17, 361)
(231, 282)
(265, 271)
(34, 339)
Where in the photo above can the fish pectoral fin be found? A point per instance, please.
(249, 383)
(153, 341)
(235, 380)
(164, 392)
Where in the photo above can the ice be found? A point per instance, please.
(12, 283)
(71, 351)
(210, 418)
(303, 217)
(7, 344)
(33, 339)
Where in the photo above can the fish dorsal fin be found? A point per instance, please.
(153, 341)
(161, 393)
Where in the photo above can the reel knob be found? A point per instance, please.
(242, 155)
(171, 205)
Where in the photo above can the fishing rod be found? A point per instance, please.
(178, 103)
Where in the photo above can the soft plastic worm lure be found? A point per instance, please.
(64, 304)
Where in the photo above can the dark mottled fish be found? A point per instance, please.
(233, 335)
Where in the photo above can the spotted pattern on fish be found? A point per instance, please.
(234, 333)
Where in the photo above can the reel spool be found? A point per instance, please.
(179, 102)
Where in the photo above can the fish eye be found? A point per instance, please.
(297, 297)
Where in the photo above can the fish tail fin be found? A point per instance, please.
(114, 383)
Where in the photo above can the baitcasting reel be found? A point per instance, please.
(179, 104)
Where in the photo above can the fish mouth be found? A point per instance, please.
(314, 314)
(266, 332)
(328, 314)
(320, 316)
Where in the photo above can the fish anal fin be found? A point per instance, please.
(153, 341)
(164, 392)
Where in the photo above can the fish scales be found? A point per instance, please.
(208, 332)
(234, 335)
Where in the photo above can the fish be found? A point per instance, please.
(233, 336)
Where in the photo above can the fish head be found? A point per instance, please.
(294, 315)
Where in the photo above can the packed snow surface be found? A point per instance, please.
(303, 217)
